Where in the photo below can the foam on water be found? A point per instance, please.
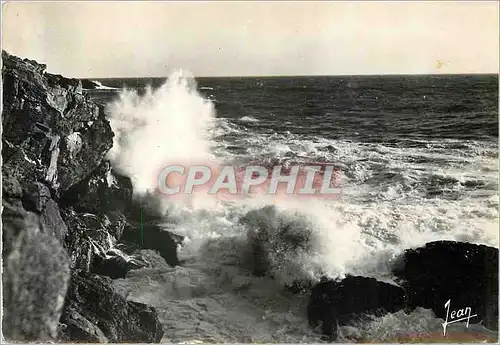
(388, 204)
(248, 119)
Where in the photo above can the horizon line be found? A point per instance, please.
(305, 75)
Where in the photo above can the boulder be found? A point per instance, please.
(464, 273)
(152, 236)
(94, 312)
(103, 191)
(338, 303)
(37, 198)
(35, 277)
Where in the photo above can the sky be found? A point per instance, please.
(142, 38)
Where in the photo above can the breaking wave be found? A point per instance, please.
(238, 255)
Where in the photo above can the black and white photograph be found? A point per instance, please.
(194, 172)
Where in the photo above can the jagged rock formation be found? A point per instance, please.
(464, 273)
(65, 211)
(52, 132)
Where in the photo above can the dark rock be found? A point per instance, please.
(103, 191)
(35, 277)
(78, 327)
(89, 84)
(120, 263)
(35, 197)
(91, 237)
(143, 229)
(11, 188)
(54, 175)
(95, 312)
(51, 131)
(107, 192)
(338, 303)
(52, 222)
(114, 267)
(464, 273)
(104, 194)
(152, 236)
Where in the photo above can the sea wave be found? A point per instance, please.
(239, 255)
(248, 119)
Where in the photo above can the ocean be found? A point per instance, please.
(418, 162)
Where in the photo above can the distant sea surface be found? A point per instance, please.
(418, 157)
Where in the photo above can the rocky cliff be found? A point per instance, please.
(64, 212)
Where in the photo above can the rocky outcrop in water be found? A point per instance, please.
(464, 273)
(338, 303)
(134, 221)
(65, 211)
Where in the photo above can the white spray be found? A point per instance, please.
(162, 126)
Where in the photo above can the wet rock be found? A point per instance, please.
(120, 263)
(114, 267)
(145, 208)
(152, 236)
(143, 228)
(338, 303)
(464, 273)
(91, 237)
(35, 277)
(95, 312)
(108, 196)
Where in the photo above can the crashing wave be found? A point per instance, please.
(248, 119)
